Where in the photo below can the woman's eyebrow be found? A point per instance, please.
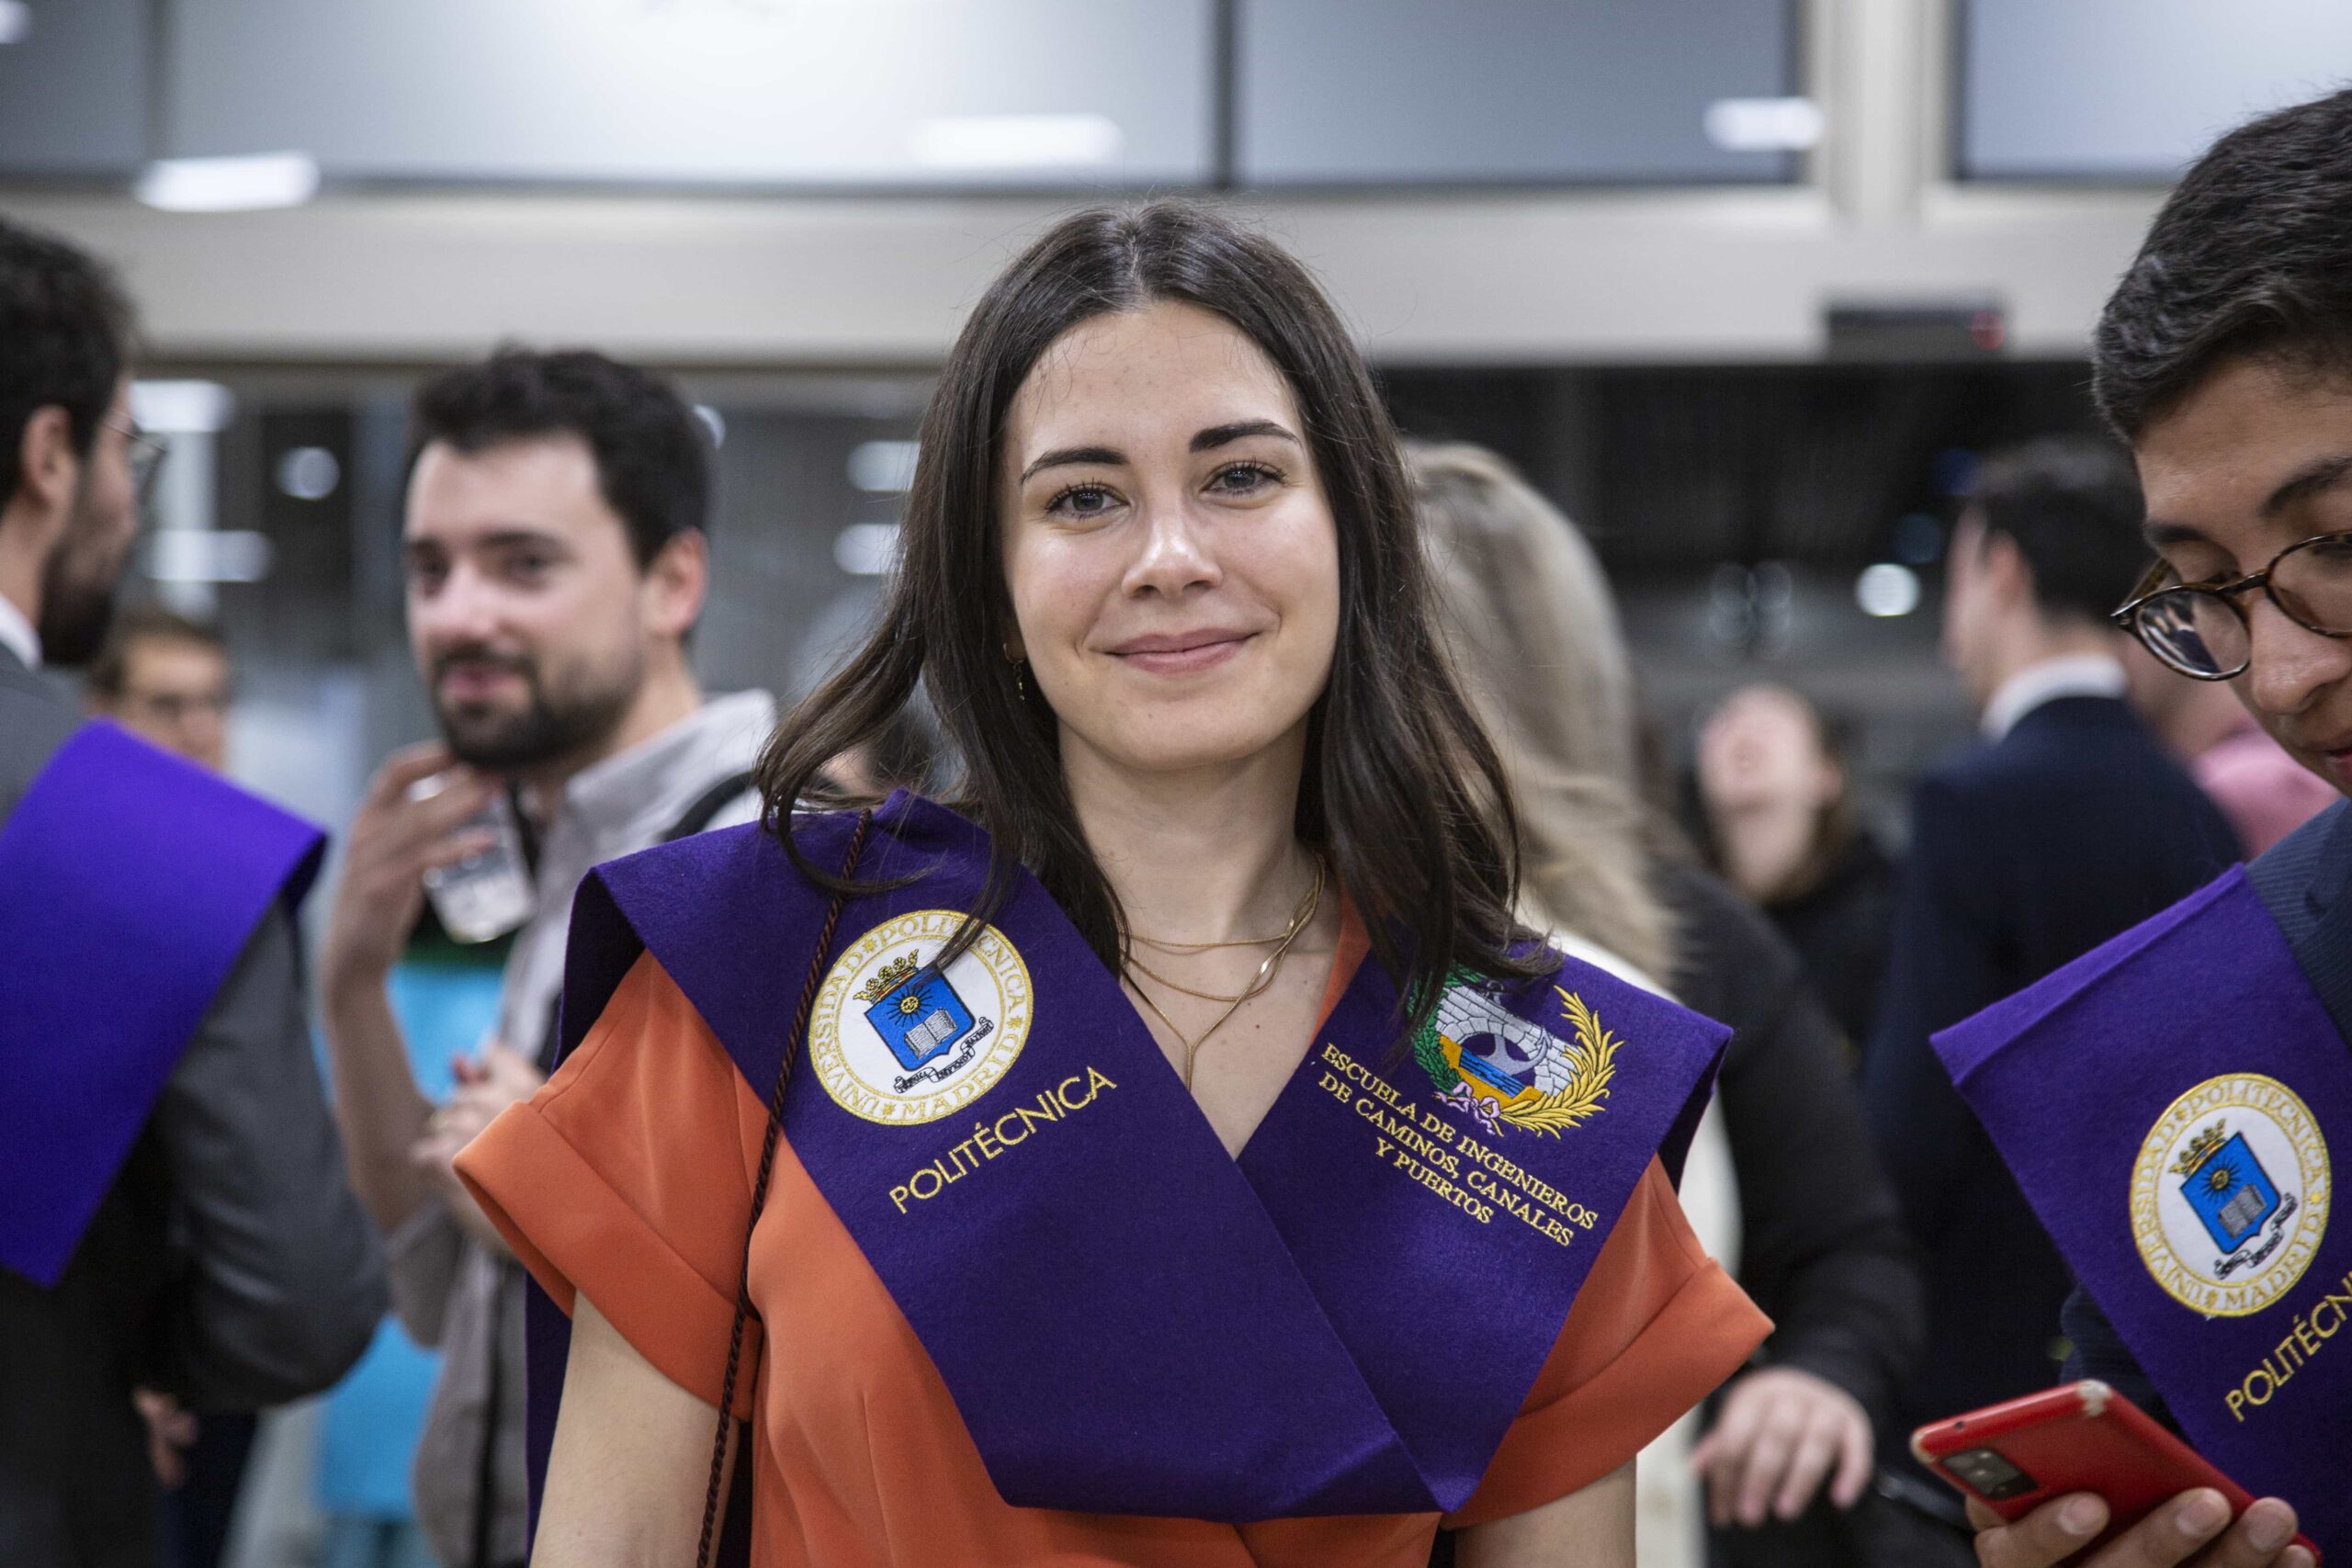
(1217, 435)
(1069, 456)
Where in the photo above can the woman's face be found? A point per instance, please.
(1762, 749)
(1170, 555)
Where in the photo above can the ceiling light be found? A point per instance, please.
(864, 549)
(16, 21)
(200, 554)
(181, 408)
(309, 473)
(1015, 142)
(229, 185)
(1887, 589)
(1763, 125)
(883, 468)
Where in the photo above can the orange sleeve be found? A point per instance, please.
(627, 1176)
(1658, 1326)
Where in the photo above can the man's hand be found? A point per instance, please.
(1780, 1432)
(393, 842)
(502, 1077)
(170, 1431)
(2187, 1530)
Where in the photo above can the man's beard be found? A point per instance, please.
(554, 723)
(76, 595)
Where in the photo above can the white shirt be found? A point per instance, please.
(16, 634)
(2068, 675)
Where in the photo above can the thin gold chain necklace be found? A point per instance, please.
(1274, 941)
(1264, 976)
(1266, 971)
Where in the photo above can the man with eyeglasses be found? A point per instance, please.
(2224, 358)
(173, 1209)
(164, 676)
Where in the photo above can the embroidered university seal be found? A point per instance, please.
(1503, 1070)
(897, 1041)
(2230, 1195)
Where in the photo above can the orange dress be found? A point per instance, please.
(619, 1180)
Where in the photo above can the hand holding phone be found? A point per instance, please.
(2013, 1458)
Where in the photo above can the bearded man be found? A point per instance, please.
(556, 562)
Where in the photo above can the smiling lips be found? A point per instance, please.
(1180, 653)
(471, 681)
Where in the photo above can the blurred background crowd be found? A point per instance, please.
(1742, 344)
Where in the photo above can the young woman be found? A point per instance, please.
(1188, 1161)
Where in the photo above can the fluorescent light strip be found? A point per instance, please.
(200, 554)
(1763, 125)
(229, 185)
(1015, 142)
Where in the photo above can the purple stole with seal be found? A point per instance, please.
(1345, 1320)
(2168, 1103)
(130, 882)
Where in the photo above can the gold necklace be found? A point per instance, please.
(1267, 971)
(1260, 981)
(1277, 939)
(1257, 981)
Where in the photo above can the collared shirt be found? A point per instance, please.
(2068, 675)
(17, 635)
(2265, 794)
(451, 1291)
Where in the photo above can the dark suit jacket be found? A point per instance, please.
(2304, 880)
(229, 1264)
(2025, 855)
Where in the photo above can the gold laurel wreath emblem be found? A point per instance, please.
(1592, 1062)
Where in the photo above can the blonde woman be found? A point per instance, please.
(1531, 619)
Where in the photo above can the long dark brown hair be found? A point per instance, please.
(1401, 789)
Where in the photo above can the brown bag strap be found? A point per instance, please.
(759, 1191)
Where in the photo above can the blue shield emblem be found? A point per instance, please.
(921, 1019)
(2232, 1193)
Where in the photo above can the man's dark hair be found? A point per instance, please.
(652, 456)
(109, 672)
(65, 335)
(2250, 256)
(2072, 505)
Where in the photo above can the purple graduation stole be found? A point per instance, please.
(2168, 1103)
(130, 882)
(1343, 1320)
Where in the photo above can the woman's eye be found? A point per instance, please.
(1082, 501)
(1241, 479)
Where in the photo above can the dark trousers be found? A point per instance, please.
(197, 1516)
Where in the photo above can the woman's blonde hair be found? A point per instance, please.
(1534, 632)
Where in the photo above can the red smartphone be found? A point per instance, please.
(2082, 1437)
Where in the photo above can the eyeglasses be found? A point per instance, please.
(146, 455)
(2202, 628)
